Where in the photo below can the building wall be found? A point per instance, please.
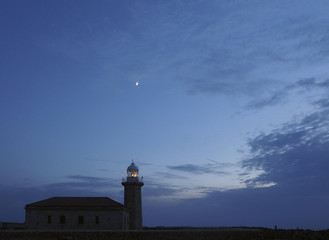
(107, 219)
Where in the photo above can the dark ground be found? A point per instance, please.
(169, 234)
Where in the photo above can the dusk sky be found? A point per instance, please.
(229, 124)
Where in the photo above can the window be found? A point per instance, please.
(49, 219)
(97, 220)
(62, 219)
(80, 220)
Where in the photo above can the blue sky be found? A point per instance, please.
(228, 125)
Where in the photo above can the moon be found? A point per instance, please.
(137, 83)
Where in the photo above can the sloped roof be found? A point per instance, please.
(77, 202)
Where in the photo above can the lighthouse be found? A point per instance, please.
(133, 197)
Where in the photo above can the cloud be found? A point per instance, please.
(169, 175)
(80, 185)
(260, 52)
(205, 46)
(300, 87)
(322, 103)
(89, 179)
(158, 190)
(197, 169)
(271, 100)
(248, 207)
(294, 155)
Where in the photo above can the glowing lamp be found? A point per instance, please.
(132, 172)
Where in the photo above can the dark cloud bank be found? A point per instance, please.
(295, 157)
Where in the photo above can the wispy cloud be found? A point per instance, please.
(159, 190)
(322, 103)
(204, 48)
(87, 178)
(168, 175)
(294, 154)
(84, 183)
(197, 169)
(301, 86)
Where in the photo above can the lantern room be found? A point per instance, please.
(132, 172)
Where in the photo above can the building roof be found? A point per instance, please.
(77, 202)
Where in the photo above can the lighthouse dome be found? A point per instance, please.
(132, 167)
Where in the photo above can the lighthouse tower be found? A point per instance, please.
(133, 197)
